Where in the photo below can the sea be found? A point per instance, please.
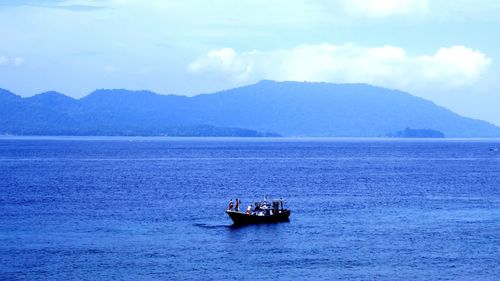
(124, 208)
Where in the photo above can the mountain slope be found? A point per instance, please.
(286, 108)
(325, 109)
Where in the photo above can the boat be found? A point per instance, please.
(263, 212)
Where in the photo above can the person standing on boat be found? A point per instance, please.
(237, 208)
(249, 210)
(257, 208)
(230, 207)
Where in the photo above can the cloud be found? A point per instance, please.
(18, 61)
(73, 5)
(388, 66)
(226, 60)
(110, 69)
(383, 8)
(11, 61)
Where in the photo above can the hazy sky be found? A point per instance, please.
(445, 51)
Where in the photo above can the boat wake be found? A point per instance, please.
(211, 226)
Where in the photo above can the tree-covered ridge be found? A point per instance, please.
(267, 108)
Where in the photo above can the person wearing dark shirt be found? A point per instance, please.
(257, 207)
(237, 208)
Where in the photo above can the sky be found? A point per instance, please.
(444, 51)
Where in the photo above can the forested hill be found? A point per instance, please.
(267, 108)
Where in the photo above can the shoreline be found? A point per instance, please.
(222, 138)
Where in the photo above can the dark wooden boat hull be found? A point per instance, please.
(242, 218)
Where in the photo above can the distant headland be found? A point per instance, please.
(417, 133)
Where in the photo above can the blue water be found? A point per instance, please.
(153, 209)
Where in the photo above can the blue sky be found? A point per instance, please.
(445, 51)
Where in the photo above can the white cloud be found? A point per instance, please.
(11, 61)
(226, 60)
(388, 66)
(383, 8)
(18, 61)
(110, 69)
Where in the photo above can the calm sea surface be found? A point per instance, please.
(154, 209)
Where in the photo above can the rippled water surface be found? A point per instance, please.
(153, 209)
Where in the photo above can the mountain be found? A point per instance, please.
(105, 112)
(285, 108)
(325, 109)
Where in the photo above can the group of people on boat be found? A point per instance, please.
(231, 205)
(259, 209)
